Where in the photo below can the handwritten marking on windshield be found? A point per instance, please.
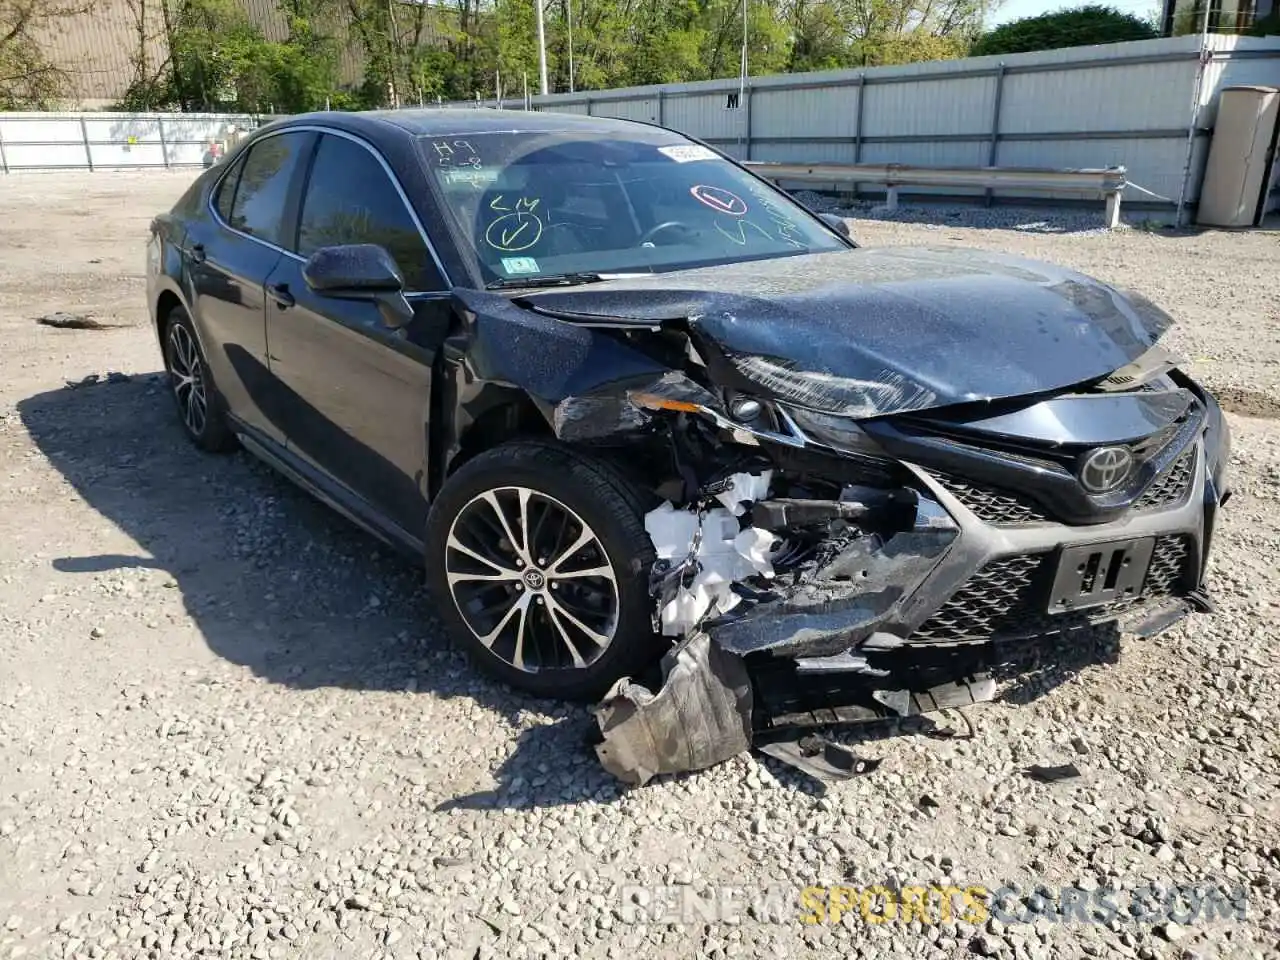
(787, 230)
(736, 230)
(455, 153)
(719, 200)
(518, 228)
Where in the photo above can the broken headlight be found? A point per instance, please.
(747, 419)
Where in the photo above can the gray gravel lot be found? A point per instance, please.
(230, 727)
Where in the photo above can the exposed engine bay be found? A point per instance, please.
(759, 564)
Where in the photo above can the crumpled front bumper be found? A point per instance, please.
(900, 626)
(887, 597)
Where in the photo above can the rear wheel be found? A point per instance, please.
(539, 561)
(199, 404)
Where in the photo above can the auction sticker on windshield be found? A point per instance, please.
(685, 152)
(519, 264)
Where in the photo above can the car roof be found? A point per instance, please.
(432, 122)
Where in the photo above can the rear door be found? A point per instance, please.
(358, 393)
(229, 256)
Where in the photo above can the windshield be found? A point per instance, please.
(529, 206)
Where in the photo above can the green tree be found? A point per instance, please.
(1067, 28)
(208, 54)
(819, 34)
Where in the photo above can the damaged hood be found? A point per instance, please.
(872, 332)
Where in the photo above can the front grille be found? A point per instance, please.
(991, 602)
(1171, 486)
(990, 504)
(1007, 597)
(1168, 566)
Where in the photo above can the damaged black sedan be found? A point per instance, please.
(627, 399)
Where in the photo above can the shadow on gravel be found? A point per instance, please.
(280, 584)
(1031, 669)
(528, 776)
(274, 580)
(1027, 671)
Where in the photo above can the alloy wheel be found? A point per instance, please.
(531, 580)
(186, 374)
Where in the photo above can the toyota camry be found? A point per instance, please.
(632, 404)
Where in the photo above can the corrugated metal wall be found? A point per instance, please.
(1123, 103)
(97, 49)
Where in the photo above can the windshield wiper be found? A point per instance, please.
(559, 280)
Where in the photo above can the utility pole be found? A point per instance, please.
(395, 47)
(542, 47)
(568, 13)
(742, 80)
(1205, 57)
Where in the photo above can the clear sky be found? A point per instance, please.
(1016, 9)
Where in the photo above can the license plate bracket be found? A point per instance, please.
(1093, 574)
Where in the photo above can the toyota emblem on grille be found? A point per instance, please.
(1104, 469)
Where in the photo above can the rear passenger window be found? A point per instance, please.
(263, 187)
(351, 199)
(227, 191)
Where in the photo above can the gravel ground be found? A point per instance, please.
(229, 725)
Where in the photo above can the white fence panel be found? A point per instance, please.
(52, 156)
(37, 130)
(128, 131)
(128, 155)
(111, 140)
(188, 154)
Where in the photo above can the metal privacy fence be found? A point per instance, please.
(1123, 104)
(112, 141)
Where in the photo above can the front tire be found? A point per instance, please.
(539, 562)
(200, 405)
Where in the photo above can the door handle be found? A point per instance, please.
(279, 292)
(196, 253)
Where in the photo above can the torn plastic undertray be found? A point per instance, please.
(713, 705)
(845, 601)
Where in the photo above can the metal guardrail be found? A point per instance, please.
(1107, 182)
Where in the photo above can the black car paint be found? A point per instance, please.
(316, 403)
(886, 331)
(948, 358)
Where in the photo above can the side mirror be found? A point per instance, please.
(360, 271)
(839, 224)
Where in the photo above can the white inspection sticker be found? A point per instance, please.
(685, 152)
(519, 264)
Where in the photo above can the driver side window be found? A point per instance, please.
(350, 199)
